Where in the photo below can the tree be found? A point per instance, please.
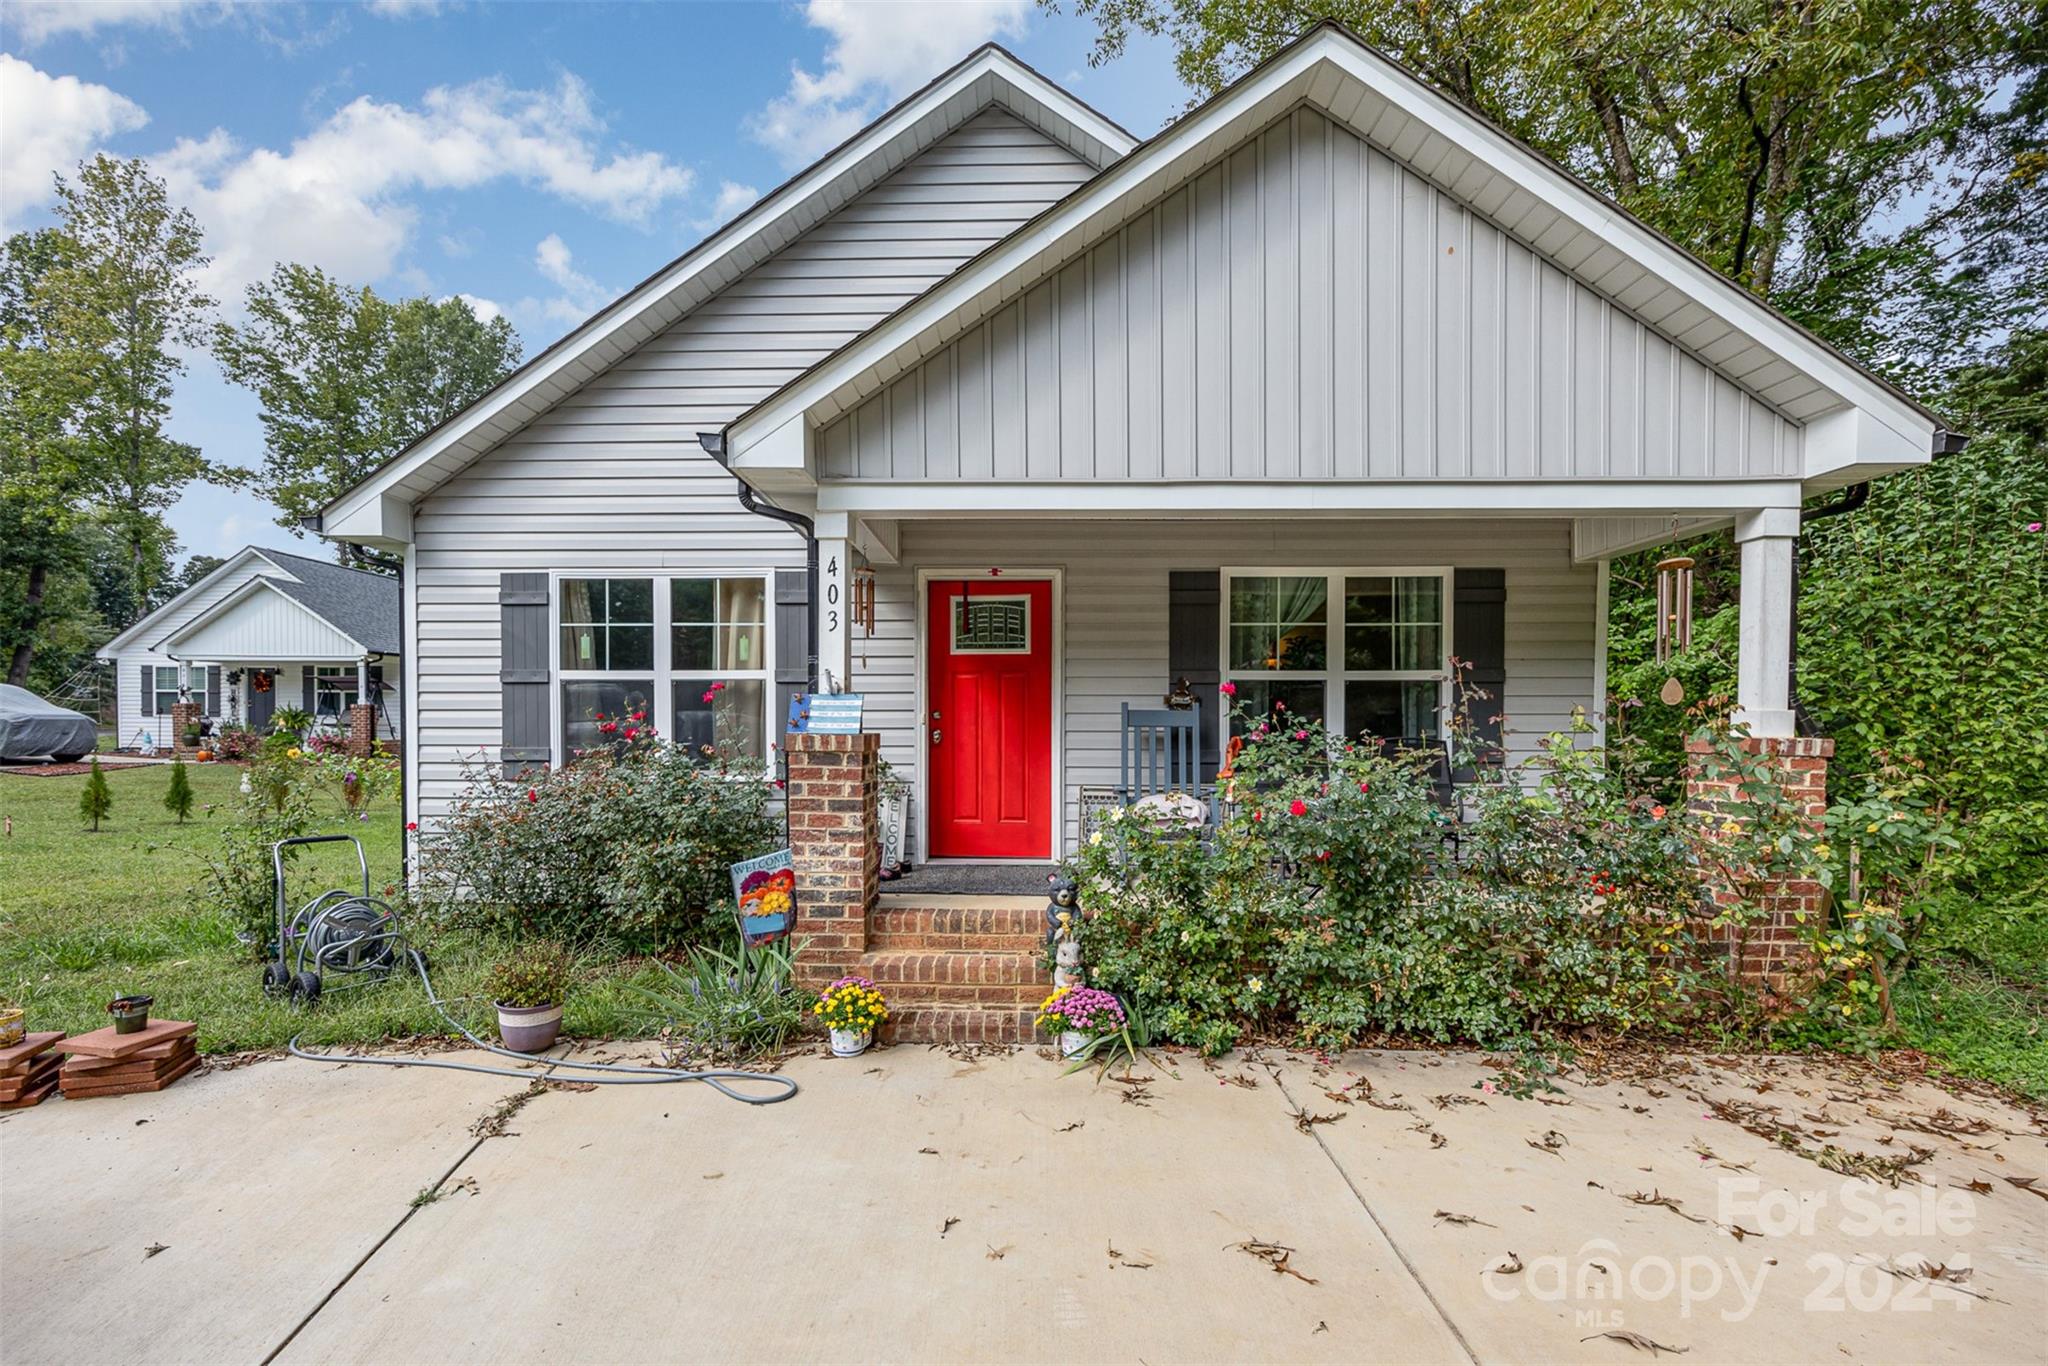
(348, 379)
(1828, 155)
(178, 797)
(45, 382)
(129, 289)
(96, 801)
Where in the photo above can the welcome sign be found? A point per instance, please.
(765, 889)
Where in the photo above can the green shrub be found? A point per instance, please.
(96, 801)
(178, 796)
(729, 1006)
(537, 973)
(633, 848)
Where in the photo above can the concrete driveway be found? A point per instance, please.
(917, 1205)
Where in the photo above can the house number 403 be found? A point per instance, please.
(832, 594)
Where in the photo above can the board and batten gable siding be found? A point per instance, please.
(1116, 620)
(612, 478)
(128, 718)
(1310, 309)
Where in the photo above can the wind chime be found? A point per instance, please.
(1674, 619)
(863, 605)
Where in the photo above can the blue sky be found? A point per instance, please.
(537, 158)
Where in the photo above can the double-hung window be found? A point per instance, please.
(686, 655)
(166, 689)
(1363, 650)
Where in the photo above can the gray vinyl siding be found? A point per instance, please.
(1115, 608)
(1308, 308)
(613, 478)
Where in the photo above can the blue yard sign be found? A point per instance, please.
(819, 714)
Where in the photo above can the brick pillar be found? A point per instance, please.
(1774, 948)
(184, 714)
(833, 781)
(362, 728)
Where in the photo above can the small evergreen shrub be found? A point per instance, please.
(96, 801)
(178, 796)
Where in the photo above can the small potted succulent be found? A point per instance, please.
(528, 988)
(1080, 1015)
(851, 1008)
(131, 1013)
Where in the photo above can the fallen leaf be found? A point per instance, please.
(1444, 1216)
(1550, 1142)
(1069, 1128)
(713, 1176)
(1320, 1327)
(996, 1254)
(928, 1152)
(1306, 1122)
(1511, 1267)
(1275, 1255)
(153, 1249)
(947, 1227)
(1636, 1340)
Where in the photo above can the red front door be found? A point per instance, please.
(988, 718)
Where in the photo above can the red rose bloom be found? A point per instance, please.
(1297, 807)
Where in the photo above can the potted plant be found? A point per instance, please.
(851, 1008)
(192, 737)
(1080, 1015)
(131, 1013)
(528, 988)
(12, 1025)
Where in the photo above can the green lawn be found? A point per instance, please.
(85, 917)
(1979, 1000)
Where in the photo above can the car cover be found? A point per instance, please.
(29, 726)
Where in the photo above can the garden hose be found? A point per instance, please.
(643, 1076)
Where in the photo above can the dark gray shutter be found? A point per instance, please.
(524, 738)
(792, 642)
(1479, 639)
(149, 690)
(1194, 649)
(307, 704)
(213, 690)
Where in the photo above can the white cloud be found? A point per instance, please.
(581, 296)
(51, 123)
(486, 311)
(732, 199)
(879, 53)
(404, 9)
(338, 197)
(38, 20)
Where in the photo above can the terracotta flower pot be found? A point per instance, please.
(529, 1029)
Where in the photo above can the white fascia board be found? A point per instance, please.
(259, 584)
(1081, 499)
(1309, 72)
(619, 325)
(1601, 538)
(240, 558)
(384, 521)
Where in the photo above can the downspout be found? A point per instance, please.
(714, 446)
(1853, 497)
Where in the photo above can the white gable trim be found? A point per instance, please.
(1508, 182)
(234, 563)
(373, 510)
(328, 642)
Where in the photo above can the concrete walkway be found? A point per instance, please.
(916, 1205)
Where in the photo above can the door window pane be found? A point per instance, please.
(991, 626)
(729, 719)
(1391, 709)
(615, 698)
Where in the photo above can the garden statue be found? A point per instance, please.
(1063, 922)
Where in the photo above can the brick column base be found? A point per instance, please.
(833, 782)
(362, 728)
(183, 714)
(1776, 948)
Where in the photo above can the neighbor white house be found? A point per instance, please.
(1323, 386)
(264, 630)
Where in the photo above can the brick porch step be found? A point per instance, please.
(958, 1024)
(980, 923)
(956, 995)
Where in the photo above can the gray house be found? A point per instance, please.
(264, 630)
(1327, 384)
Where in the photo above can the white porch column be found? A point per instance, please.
(363, 679)
(1763, 696)
(184, 680)
(835, 592)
